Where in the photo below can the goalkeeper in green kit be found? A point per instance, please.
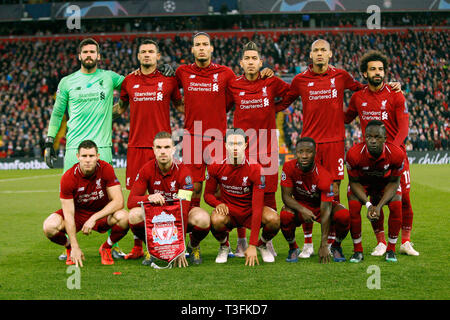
(87, 95)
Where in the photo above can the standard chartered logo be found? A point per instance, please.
(159, 96)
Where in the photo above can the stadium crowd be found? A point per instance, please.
(30, 72)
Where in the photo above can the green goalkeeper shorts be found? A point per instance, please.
(70, 158)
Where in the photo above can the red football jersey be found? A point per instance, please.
(205, 95)
(371, 171)
(151, 179)
(149, 97)
(88, 193)
(323, 102)
(310, 187)
(241, 188)
(255, 109)
(384, 105)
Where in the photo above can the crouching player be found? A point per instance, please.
(307, 193)
(162, 178)
(241, 201)
(374, 168)
(91, 199)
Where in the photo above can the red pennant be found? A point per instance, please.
(164, 230)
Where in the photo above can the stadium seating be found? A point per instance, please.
(30, 72)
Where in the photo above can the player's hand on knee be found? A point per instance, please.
(88, 226)
(156, 198)
(251, 256)
(222, 209)
(308, 216)
(49, 152)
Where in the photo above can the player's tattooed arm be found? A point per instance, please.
(119, 108)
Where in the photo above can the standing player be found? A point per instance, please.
(87, 96)
(378, 102)
(91, 199)
(206, 100)
(162, 177)
(321, 88)
(255, 111)
(241, 201)
(148, 93)
(307, 193)
(374, 168)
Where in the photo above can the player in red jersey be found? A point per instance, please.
(162, 178)
(255, 111)
(241, 201)
(307, 193)
(321, 88)
(91, 199)
(148, 94)
(378, 102)
(374, 168)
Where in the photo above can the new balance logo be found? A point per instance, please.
(81, 189)
(224, 178)
(157, 183)
(364, 104)
(310, 84)
(135, 86)
(192, 76)
(242, 93)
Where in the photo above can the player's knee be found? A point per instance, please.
(342, 217)
(286, 217)
(199, 217)
(135, 216)
(51, 226)
(121, 218)
(271, 218)
(218, 220)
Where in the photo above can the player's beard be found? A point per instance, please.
(375, 82)
(89, 65)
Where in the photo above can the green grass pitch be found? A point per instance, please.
(29, 267)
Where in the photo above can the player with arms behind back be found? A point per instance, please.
(91, 199)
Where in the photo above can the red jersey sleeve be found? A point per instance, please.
(66, 186)
(110, 176)
(351, 163)
(397, 161)
(352, 112)
(292, 94)
(350, 82)
(211, 187)
(123, 90)
(402, 115)
(286, 176)
(259, 182)
(139, 189)
(280, 91)
(176, 94)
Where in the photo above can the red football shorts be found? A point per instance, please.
(81, 216)
(331, 156)
(315, 210)
(375, 191)
(136, 158)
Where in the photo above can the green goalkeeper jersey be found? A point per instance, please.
(88, 99)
